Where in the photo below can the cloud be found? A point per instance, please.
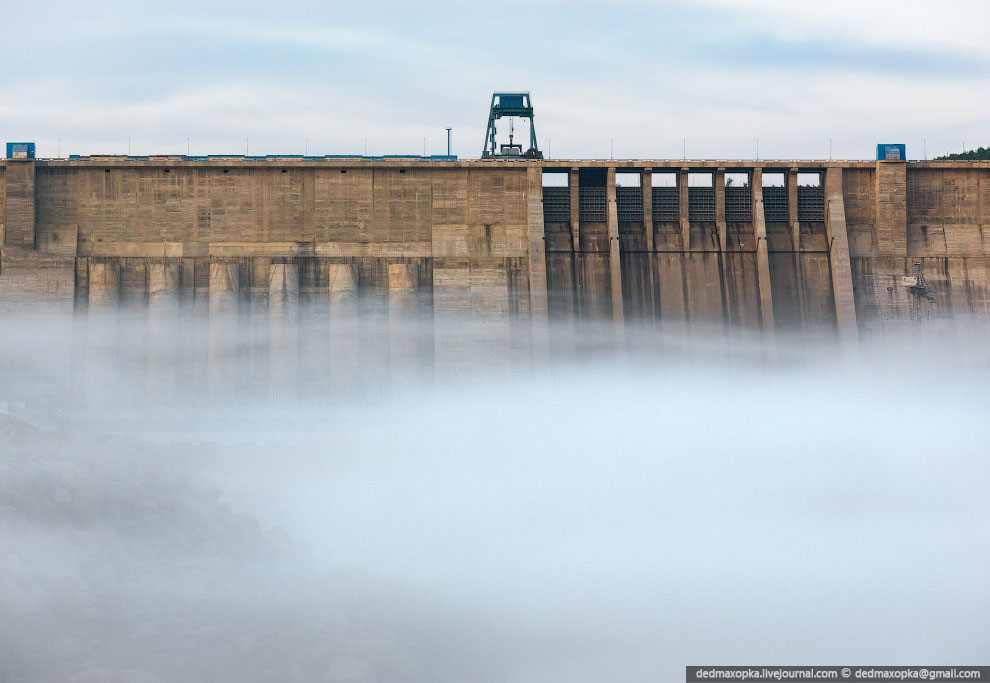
(720, 74)
(954, 25)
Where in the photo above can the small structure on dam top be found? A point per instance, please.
(773, 246)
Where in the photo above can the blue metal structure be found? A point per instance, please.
(511, 104)
(895, 152)
(20, 150)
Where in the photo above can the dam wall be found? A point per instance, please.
(771, 247)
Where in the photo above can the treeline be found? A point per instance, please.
(982, 153)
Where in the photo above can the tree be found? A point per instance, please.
(980, 154)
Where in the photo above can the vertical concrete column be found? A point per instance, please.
(402, 285)
(222, 360)
(133, 287)
(614, 256)
(762, 256)
(104, 286)
(646, 183)
(133, 332)
(792, 208)
(343, 280)
(684, 208)
(283, 330)
(224, 285)
(719, 181)
(838, 259)
(344, 328)
(729, 303)
(102, 335)
(573, 179)
(891, 194)
(257, 273)
(312, 321)
(19, 219)
(254, 372)
(164, 280)
(187, 285)
(283, 290)
(403, 328)
(538, 308)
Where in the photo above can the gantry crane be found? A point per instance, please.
(512, 105)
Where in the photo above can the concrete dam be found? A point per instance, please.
(768, 246)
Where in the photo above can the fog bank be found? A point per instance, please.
(616, 512)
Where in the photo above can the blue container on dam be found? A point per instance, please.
(20, 150)
(891, 152)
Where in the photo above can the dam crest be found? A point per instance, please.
(769, 246)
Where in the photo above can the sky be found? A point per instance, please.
(636, 79)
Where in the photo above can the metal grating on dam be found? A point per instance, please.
(556, 204)
(629, 204)
(701, 204)
(775, 208)
(738, 204)
(666, 204)
(592, 204)
(811, 204)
